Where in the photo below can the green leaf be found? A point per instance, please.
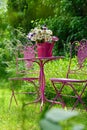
(47, 125)
(56, 115)
(78, 127)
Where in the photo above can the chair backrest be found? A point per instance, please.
(29, 52)
(78, 54)
(24, 51)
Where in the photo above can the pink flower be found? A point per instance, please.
(54, 38)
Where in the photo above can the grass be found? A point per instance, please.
(17, 117)
(25, 118)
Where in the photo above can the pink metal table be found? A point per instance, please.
(41, 61)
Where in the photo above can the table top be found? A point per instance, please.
(42, 58)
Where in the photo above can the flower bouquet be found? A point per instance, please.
(44, 39)
(41, 35)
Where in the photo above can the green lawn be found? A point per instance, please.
(25, 118)
(17, 117)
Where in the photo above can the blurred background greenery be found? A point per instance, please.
(66, 18)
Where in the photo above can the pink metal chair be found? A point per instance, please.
(24, 69)
(76, 77)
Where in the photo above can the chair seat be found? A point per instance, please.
(24, 78)
(67, 80)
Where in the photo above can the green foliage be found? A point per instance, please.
(67, 29)
(21, 13)
(78, 28)
(72, 8)
(4, 42)
(55, 119)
